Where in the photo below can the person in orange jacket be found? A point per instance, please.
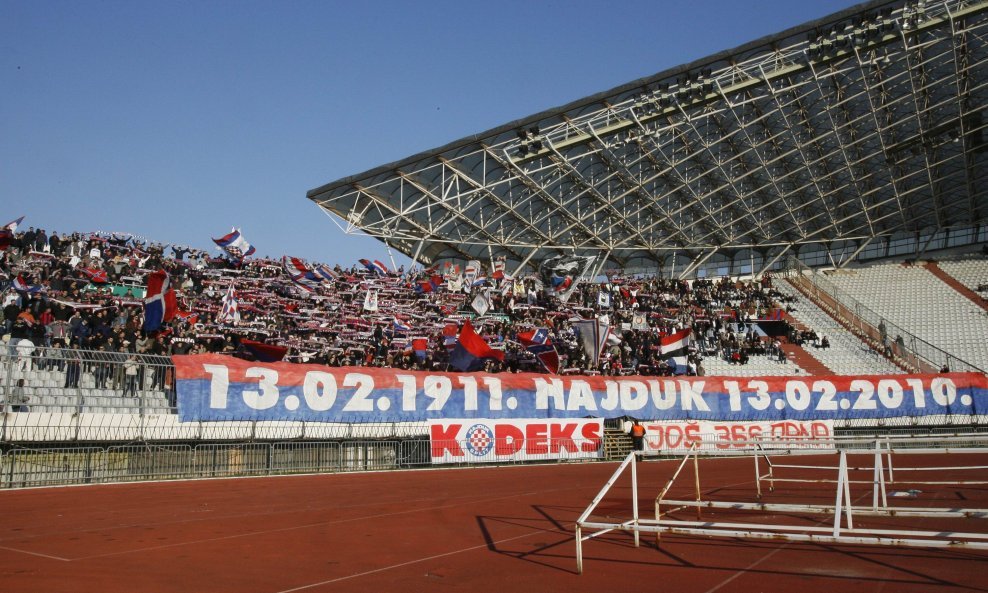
(637, 436)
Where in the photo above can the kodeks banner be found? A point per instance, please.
(672, 437)
(218, 387)
(484, 441)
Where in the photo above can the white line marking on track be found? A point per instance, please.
(295, 527)
(746, 569)
(417, 560)
(454, 552)
(201, 519)
(36, 554)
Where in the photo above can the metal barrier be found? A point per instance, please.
(62, 395)
(306, 457)
(80, 381)
(25, 466)
(149, 462)
(47, 466)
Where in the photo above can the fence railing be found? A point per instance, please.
(24, 466)
(77, 381)
(57, 394)
(27, 466)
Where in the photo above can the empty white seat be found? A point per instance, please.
(913, 298)
(847, 354)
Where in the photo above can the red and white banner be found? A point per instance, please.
(498, 441)
(670, 437)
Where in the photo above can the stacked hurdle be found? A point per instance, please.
(881, 450)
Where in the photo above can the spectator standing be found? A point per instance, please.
(10, 313)
(102, 370)
(19, 399)
(118, 358)
(637, 438)
(73, 369)
(41, 241)
(130, 371)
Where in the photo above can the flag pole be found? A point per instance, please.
(391, 256)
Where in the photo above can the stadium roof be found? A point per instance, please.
(866, 123)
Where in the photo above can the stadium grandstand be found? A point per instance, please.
(795, 220)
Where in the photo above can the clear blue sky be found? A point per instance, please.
(177, 120)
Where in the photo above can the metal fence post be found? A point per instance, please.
(6, 394)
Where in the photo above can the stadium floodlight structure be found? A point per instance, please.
(867, 124)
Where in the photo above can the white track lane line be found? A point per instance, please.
(203, 518)
(748, 568)
(454, 552)
(296, 527)
(49, 556)
(417, 560)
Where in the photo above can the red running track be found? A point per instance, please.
(484, 529)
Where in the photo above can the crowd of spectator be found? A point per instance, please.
(85, 292)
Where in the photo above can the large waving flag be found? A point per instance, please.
(375, 266)
(420, 347)
(230, 312)
(160, 304)
(13, 224)
(454, 283)
(234, 244)
(563, 273)
(498, 269)
(471, 351)
(449, 335)
(294, 266)
(370, 301)
(95, 275)
(21, 285)
(471, 272)
(301, 275)
(264, 352)
(675, 347)
(482, 303)
(427, 286)
(325, 273)
(7, 233)
(538, 342)
(593, 336)
(400, 326)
